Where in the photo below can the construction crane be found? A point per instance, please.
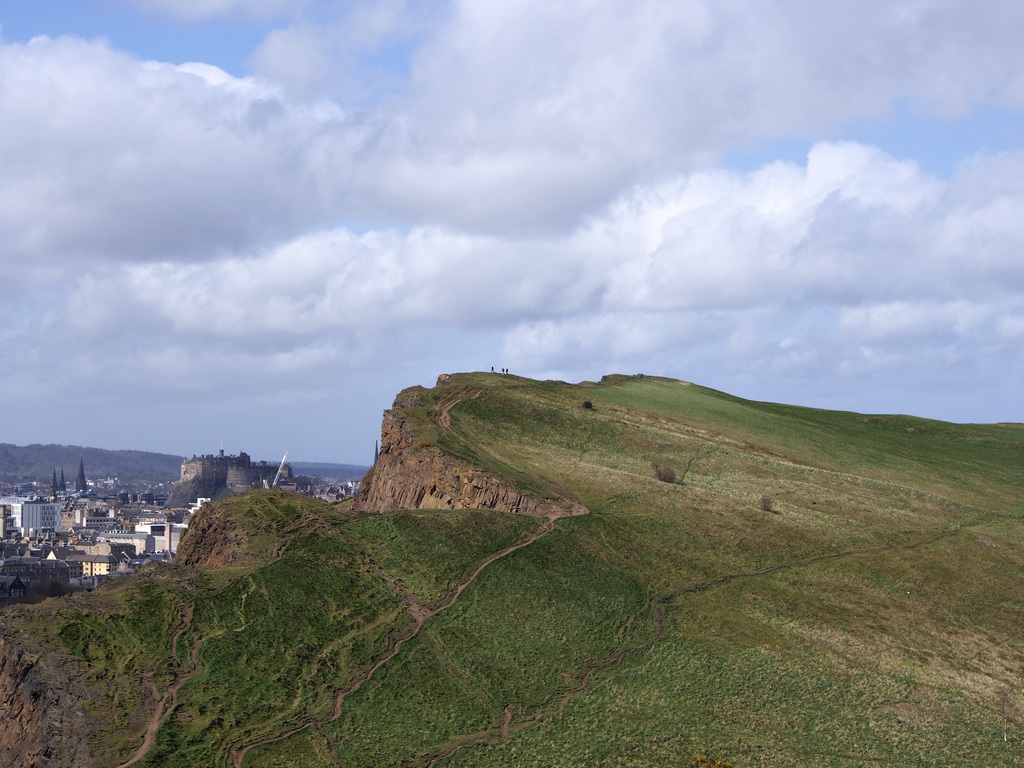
(280, 471)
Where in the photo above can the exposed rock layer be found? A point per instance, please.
(45, 703)
(409, 476)
(23, 701)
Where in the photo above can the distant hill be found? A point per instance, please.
(340, 472)
(26, 463)
(637, 572)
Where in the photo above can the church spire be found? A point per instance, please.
(80, 485)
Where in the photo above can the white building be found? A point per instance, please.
(33, 517)
(150, 537)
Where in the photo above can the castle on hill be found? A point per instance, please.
(237, 473)
(212, 476)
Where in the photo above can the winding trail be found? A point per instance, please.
(169, 701)
(444, 418)
(172, 690)
(726, 578)
(506, 728)
(419, 614)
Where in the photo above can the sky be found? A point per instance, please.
(249, 224)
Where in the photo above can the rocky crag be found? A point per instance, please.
(51, 706)
(411, 474)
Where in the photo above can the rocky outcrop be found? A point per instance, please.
(186, 492)
(408, 475)
(212, 538)
(23, 706)
(45, 723)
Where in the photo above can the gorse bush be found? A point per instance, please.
(707, 762)
(663, 472)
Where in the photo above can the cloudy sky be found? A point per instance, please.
(255, 221)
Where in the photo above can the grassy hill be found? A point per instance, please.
(813, 588)
(22, 463)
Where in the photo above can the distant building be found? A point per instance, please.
(94, 565)
(237, 473)
(11, 586)
(81, 486)
(32, 517)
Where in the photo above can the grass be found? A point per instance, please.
(872, 616)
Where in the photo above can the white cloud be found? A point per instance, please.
(766, 248)
(107, 157)
(402, 185)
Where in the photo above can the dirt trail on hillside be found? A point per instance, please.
(726, 578)
(171, 694)
(169, 701)
(444, 418)
(419, 614)
(506, 727)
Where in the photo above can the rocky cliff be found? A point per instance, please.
(410, 475)
(23, 702)
(50, 707)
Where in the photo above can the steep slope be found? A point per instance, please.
(813, 588)
(407, 476)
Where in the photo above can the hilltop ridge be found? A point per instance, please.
(407, 475)
(635, 572)
(36, 462)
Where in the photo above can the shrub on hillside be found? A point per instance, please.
(707, 762)
(766, 502)
(663, 472)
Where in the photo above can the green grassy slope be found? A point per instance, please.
(874, 615)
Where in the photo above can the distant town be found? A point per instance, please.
(59, 535)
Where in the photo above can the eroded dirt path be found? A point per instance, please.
(507, 728)
(169, 701)
(660, 603)
(419, 614)
(444, 418)
(726, 578)
(171, 694)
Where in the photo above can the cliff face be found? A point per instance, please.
(407, 476)
(44, 710)
(23, 702)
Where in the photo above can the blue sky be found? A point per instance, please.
(258, 221)
(224, 42)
